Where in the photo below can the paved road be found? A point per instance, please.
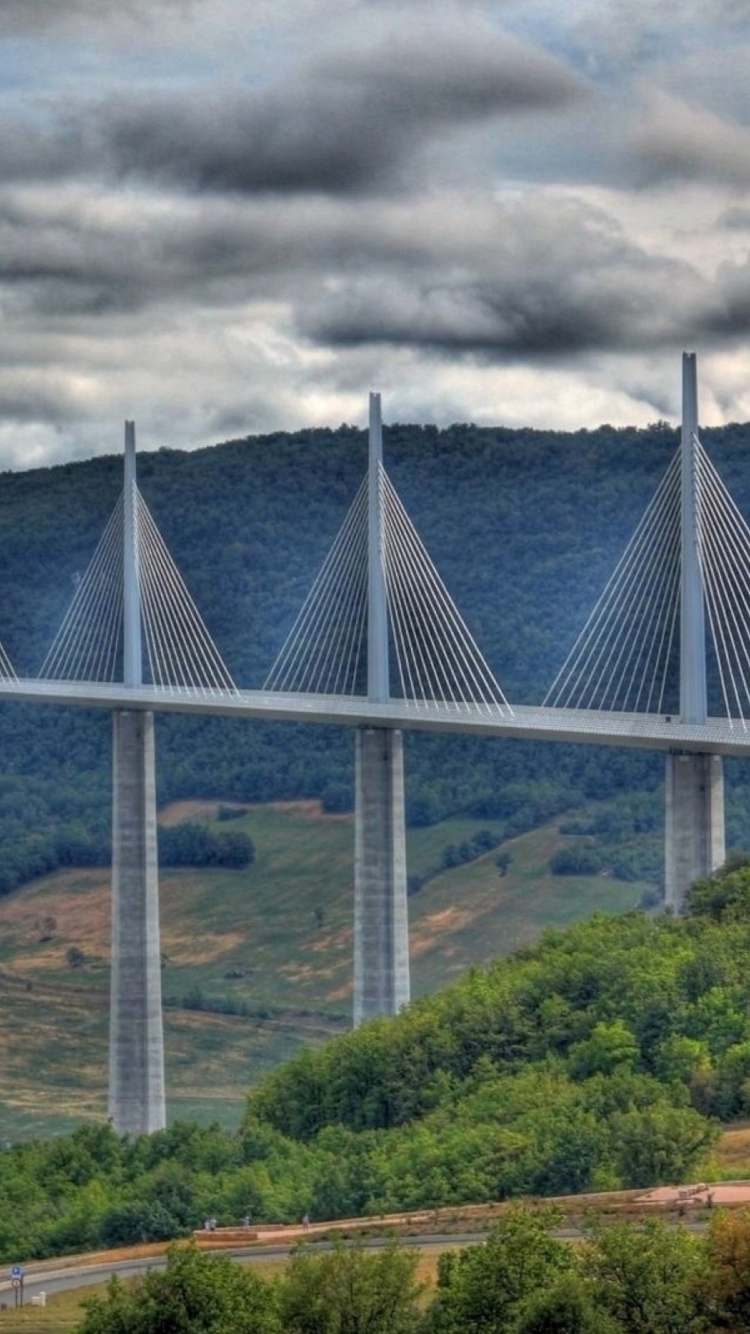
(49, 1278)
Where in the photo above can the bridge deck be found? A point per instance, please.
(648, 731)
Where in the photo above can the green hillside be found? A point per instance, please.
(256, 961)
(602, 1057)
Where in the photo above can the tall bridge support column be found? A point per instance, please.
(136, 1038)
(381, 921)
(136, 1034)
(694, 825)
(694, 829)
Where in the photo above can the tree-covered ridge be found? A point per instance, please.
(599, 1058)
(664, 999)
(524, 527)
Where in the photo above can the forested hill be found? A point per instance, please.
(524, 526)
(597, 1059)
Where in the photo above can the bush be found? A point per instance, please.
(192, 844)
(137, 1221)
(581, 859)
(337, 799)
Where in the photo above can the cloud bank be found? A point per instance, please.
(214, 218)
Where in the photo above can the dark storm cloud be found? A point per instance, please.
(539, 280)
(77, 258)
(30, 153)
(344, 124)
(69, 254)
(677, 141)
(525, 318)
(26, 401)
(63, 261)
(446, 73)
(557, 282)
(735, 219)
(28, 16)
(731, 317)
(248, 143)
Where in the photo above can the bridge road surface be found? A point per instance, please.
(717, 736)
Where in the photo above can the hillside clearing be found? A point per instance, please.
(272, 942)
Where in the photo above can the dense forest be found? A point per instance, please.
(603, 1057)
(525, 528)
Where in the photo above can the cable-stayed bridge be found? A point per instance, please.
(717, 736)
(663, 662)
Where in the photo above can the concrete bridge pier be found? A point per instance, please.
(136, 1035)
(136, 1040)
(381, 924)
(694, 828)
(694, 825)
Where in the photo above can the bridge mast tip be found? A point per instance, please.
(375, 422)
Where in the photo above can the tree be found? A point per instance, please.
(195, 1294)
(136, 1221)
(660, 1143)
(580, 859)
(678, 1058)
(648, 1277)
(725, 895)
(190, 844)
(567, 1307)
(482, 1289)
(609, 1046)
(728, 1281)
(351, 1291)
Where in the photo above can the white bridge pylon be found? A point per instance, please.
(634, 653)
(101, 635)
(330, 648)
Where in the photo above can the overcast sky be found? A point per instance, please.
(224, 217)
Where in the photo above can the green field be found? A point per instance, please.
(61, 1314)
(273, 941)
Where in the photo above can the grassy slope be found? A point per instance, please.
(276, 937)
